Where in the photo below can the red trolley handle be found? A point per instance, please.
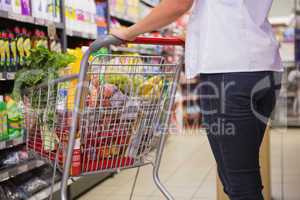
(113, 40)
(174, 41)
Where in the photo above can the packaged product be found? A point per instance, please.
(62, 95)
(7, 53)
(16, 6)
(7, 5)
(53, 10)
(3, 120)
(74, 68)
(101, 22)
(15, 118)
(37, 8)
(14, 52)
(27, 42)
(2, 53)
(25, 5)
(56, 12)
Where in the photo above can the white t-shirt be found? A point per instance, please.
(231, 36)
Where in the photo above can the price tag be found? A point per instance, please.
(2, 145)
(12, 16)
(39, 21)
(10, 75)
(21, 18)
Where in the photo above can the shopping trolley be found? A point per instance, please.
(107, 117)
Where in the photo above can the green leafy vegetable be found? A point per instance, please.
(41, 66)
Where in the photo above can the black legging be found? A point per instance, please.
(236, 108)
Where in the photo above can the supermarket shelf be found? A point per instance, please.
(29, 19)
(44, 194)
(20, 169)
(81, 35)
(77, 186)
(7, 76)
(11, 143)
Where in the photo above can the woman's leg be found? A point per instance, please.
(235, 118)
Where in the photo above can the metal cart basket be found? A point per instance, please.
(105, 118)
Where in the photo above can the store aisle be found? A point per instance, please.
(188, 169)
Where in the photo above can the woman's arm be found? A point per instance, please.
(163, 14)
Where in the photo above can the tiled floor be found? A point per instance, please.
(285, 162)
(188, 171)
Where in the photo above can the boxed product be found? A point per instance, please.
(25, 7)
(6, 5)
(3, 120)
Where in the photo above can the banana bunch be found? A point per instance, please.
(152, 87)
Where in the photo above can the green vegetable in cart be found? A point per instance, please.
(125, 83)
(152, 87)
(48, 135)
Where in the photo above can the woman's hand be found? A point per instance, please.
(123, 34)
(166, 12)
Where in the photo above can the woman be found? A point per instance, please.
(231, 45)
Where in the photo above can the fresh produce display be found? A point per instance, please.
(16, 44)
(41, 66)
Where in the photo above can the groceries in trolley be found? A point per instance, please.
(122, 105)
